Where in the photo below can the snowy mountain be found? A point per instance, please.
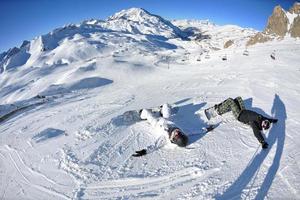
(132, 21)
(129, 32)
(212, 36)
(139, 21)
(63, 96)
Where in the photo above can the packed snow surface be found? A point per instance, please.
(63, 133)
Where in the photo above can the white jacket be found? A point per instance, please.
(161, 126)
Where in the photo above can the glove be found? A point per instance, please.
(140, 153)
(210, 128)
(274, 120)
(264, 145)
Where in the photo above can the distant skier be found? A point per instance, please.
(273, 55)
(257, 121)
(168, 131)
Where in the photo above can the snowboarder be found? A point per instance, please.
(168, 131)
(257, 121)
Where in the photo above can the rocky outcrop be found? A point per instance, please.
(5, 56)
(295, 9)
(13, 57)
(258, 38)
(295, 27)
(279, 25)
(228, 44)
(277, 22)
(25, 43)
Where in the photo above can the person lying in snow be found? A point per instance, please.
(257, 121)
(169, 132)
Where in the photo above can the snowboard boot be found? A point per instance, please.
(166, 111)
(239, 101)
(144, 113)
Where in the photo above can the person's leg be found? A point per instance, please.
(228, 105)
(166, 111)
(149, 116)
(240, 102)
(159, 123)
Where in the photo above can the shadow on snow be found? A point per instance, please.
(276, 135)
(48, 133)
(190, 122)
(185, 117)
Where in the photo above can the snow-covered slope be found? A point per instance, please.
(212, 36)
(63, 134)
(93, 37)
(28, 70)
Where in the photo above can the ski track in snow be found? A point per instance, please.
(138, 187)
(32, 178)
(74, 143)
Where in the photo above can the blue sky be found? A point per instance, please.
(25, 19)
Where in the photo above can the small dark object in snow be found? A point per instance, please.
(40, 96)
(210, 128)
(140, 153)
(272, 55)
(246, 53)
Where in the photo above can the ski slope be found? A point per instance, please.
(71, 141)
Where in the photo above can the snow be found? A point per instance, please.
(139, 21)
(291, 17)
(63, 134)
(214, 36)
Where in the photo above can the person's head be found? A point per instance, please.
(178, 137)
(265, 124)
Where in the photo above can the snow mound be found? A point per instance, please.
(86, 83)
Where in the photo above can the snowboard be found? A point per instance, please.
(210, 128)
(131, 116)
(210, 112)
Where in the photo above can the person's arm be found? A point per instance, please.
(159, 143)
(258, 135)
(272, 120)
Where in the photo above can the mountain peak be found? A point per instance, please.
(277, 22)
(277, 9)
(140, 21)
(295, 8)
(133, 14)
